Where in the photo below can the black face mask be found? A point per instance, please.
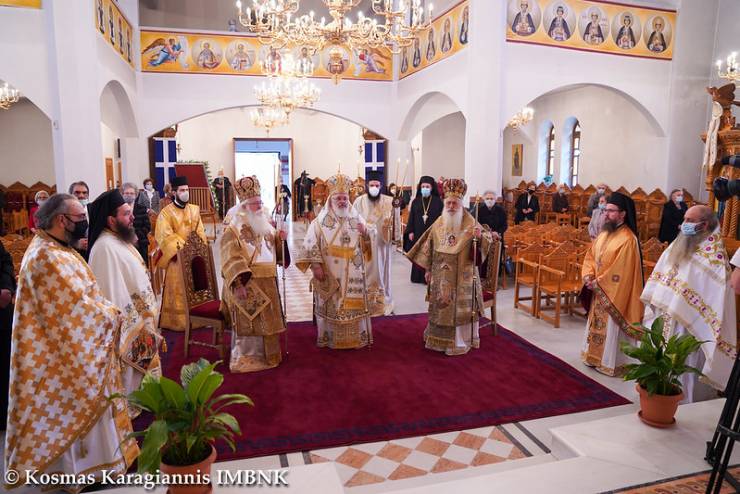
(80, 229)
(530, 192)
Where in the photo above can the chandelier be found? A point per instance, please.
(287, 93)
(268, 117)
(732, 73)
(276, 24)
(522, 117)
(8, 96)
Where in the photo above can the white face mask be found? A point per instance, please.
(679, 198)
(84, 202)
(148, 187)
(490, 202)
(373, 191)
(601, 190)
(183, 196)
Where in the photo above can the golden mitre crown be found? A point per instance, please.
(339, 184)
(247, 187)
(455, 187)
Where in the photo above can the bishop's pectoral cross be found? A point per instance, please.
(425, 217)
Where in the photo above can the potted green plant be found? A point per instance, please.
(661, 364)
(188, 419)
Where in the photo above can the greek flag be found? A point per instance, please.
(165, 157)
(375, 157)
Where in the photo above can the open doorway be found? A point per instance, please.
(270, 160)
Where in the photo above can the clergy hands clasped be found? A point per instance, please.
(241, 292)
(477, 232)
(5, 298)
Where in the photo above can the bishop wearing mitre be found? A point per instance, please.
(251, 249)
(450, 251)
(337, 249)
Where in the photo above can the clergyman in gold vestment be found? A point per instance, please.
(174, 224)
(250, 251)
(612, 268)
(446, 252)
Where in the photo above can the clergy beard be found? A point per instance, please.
(610, 226)
(341, 213)
(125, 232)
(684, 247)
(452, 222)
(258, 223)
(373, 199)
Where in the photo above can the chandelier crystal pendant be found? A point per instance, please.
(522, 117)
(276, 23)
(732, 73)
(8, 96)
(269, 117)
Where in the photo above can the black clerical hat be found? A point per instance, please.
(99, 210)
(375, 175)
(178, 181)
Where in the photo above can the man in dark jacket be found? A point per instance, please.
(142, 225)
(492, 215)
(560, 201)
(425, 209)
(673, 213)
(7, 296)
(527, 206)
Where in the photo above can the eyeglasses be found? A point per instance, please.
(612, 210)
(80, 215)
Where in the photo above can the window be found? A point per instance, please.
(575, 162)
(550, 170)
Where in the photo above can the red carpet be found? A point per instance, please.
(320, 398)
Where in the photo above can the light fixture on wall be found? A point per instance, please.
(8, 96)
(522, 117)
(732, 73)
(268, 118)
(276, 24)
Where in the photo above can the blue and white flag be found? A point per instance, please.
(165, 157)
(375, 157)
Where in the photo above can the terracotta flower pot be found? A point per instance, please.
(203, 468)
(658, 410)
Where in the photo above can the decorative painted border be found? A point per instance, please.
(450, 30)
(179, 52)
(594, 26)
(29, 4)
(115, 28)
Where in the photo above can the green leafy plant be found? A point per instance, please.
(662, 362)
(187, 418)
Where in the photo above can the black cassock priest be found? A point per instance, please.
(425, 209)
(303, 186)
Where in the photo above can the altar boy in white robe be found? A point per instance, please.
(690, 288)
(377, 211)
(123, 279)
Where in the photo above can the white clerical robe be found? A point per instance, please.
(695, 297)
(341, 306)
(123, 279)
(379, 215)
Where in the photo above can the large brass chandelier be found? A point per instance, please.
(268, 117)
(733, 70)
(276, 24)
(8, 96)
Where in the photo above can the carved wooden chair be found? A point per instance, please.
(558, 281)
(201, 290)
(527, 270)
(489, 282)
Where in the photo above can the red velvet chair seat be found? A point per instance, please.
(208, 309)
(487, 296)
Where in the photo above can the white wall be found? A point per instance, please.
(619, 145)
(443, 143)
(320, 141)
(26, 153)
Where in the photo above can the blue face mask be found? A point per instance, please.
(602, 206)
(689, 228)
(426, 192)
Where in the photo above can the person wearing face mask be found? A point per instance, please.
(527, 206)
(593, 200)
(690, 281)
(62, 316)
(149, 197)
(82, 192)
(142, 225)
(597, 219)
(376, 210)
(175, 223)
(673, 215)
(560, 201)
(40, 198)
(425, 209)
